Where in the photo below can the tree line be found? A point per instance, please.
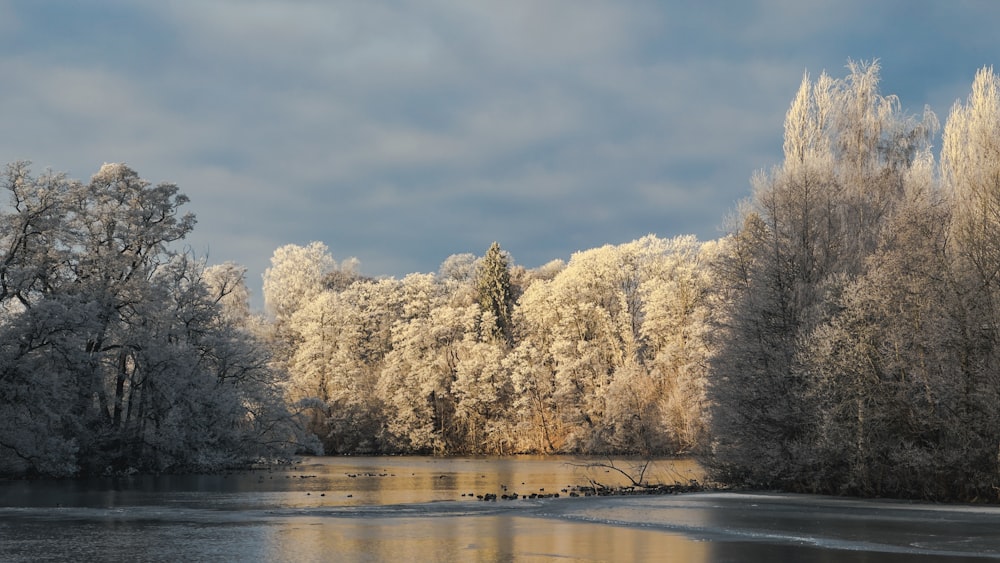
(842, 337)
(599, 355)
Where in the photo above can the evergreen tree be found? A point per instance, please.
(494, 289)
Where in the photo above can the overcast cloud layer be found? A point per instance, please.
(403, 132)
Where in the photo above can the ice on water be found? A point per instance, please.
(376, 509)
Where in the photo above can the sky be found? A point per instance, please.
(403, 132)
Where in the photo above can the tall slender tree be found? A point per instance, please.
(494, 289)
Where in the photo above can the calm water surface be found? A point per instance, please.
(425, 509)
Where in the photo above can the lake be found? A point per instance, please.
(426, 509)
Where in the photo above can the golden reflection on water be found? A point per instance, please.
(381, 481)
(511, 535)
(486, 538)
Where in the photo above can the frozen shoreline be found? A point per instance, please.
(422, 509)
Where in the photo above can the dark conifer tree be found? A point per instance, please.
(494, 289)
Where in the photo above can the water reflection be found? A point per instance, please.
(424, 509)
(487, 538)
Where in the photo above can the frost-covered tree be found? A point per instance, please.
(882, 370)
(970, 172)
(495, 294)
(342, 339)
(592, 368)
(483, 392)
(366, 312)
(416, 379)
(458, 267)
(228, 287)
(572, 322)
(539, 416)
(114, 352)
(675, 329)
(312, 361)
(610, 357)
(296, 277)
(810, 228)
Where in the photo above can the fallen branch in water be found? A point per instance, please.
(636, 476)
(638, 481)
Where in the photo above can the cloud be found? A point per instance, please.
(403, 132)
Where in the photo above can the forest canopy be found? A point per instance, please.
(842, 337)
